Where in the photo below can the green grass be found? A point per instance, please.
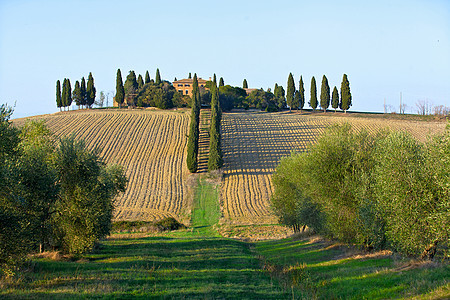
(328, 274)
(206, 211)
(196, 263)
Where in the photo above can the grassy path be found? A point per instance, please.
(206, 212)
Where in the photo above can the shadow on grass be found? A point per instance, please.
(154, 267)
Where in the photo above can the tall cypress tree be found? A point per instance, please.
(335, 99)
(346, 96)
(147, 77)
(69, 95)
(64, 94)
(83, 92)
(131, 87)
(221, 82)
(324, 94)
(120, 92)
(215, 79)
(296, 102)
(140, 82)
(90, 91)
(194, 131)
(301, 91)
(313, 101)
(58, 95)
(76, 95)
(290, 91)
(244, 84)
(215, 159)
(157, 77)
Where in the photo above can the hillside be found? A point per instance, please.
(151, 144)
(254, 142)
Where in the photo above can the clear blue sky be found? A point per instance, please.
(385, 47)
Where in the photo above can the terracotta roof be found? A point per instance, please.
(187, 80)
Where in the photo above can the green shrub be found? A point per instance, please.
(168, 224)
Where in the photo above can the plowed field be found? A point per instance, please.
(254, 142)
(151, 145)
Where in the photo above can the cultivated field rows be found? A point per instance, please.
(254, 142)
(149, 144)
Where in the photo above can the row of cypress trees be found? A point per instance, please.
(296, 98)
(215, 159)
(82, 95)
(194, 129)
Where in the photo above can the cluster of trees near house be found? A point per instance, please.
(82, 95)
(381, 190)
(136, 92)
(52, 195)
(139, 92)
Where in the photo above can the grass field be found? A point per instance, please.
(196, 263)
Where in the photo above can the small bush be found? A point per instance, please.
(169, 223)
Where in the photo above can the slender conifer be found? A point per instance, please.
(194, 130)
(147, 77)
(313, 101)
(120, 92)
(58, 95)
(301, 91)
(157, 77)
(90, 91)
(324, 94)
(346, 96)
(290, 91)
(335, 99)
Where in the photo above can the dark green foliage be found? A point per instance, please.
(411, 192)
(215, 159)
(69, 93)
(76, 94)
(157, 77)
(58, 95)
(313, 99)
(215, 79)
(120, 92)
(221, 82)
(290, 91)
(230, 97)
(131, 88)
(87, 188)
(244, 84)
(296, 102)
(190, 75)
(377, 191)
(140, 82)
(83, 92)
(335, 99)
(324, 94)
(162, 96)
(66, 96)
(263, 100)
(194, 129)
(147, 77)
(168, 224)
(279, 96)
(301, 90)
(90, 91)
(346, 96)
(34, 180)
